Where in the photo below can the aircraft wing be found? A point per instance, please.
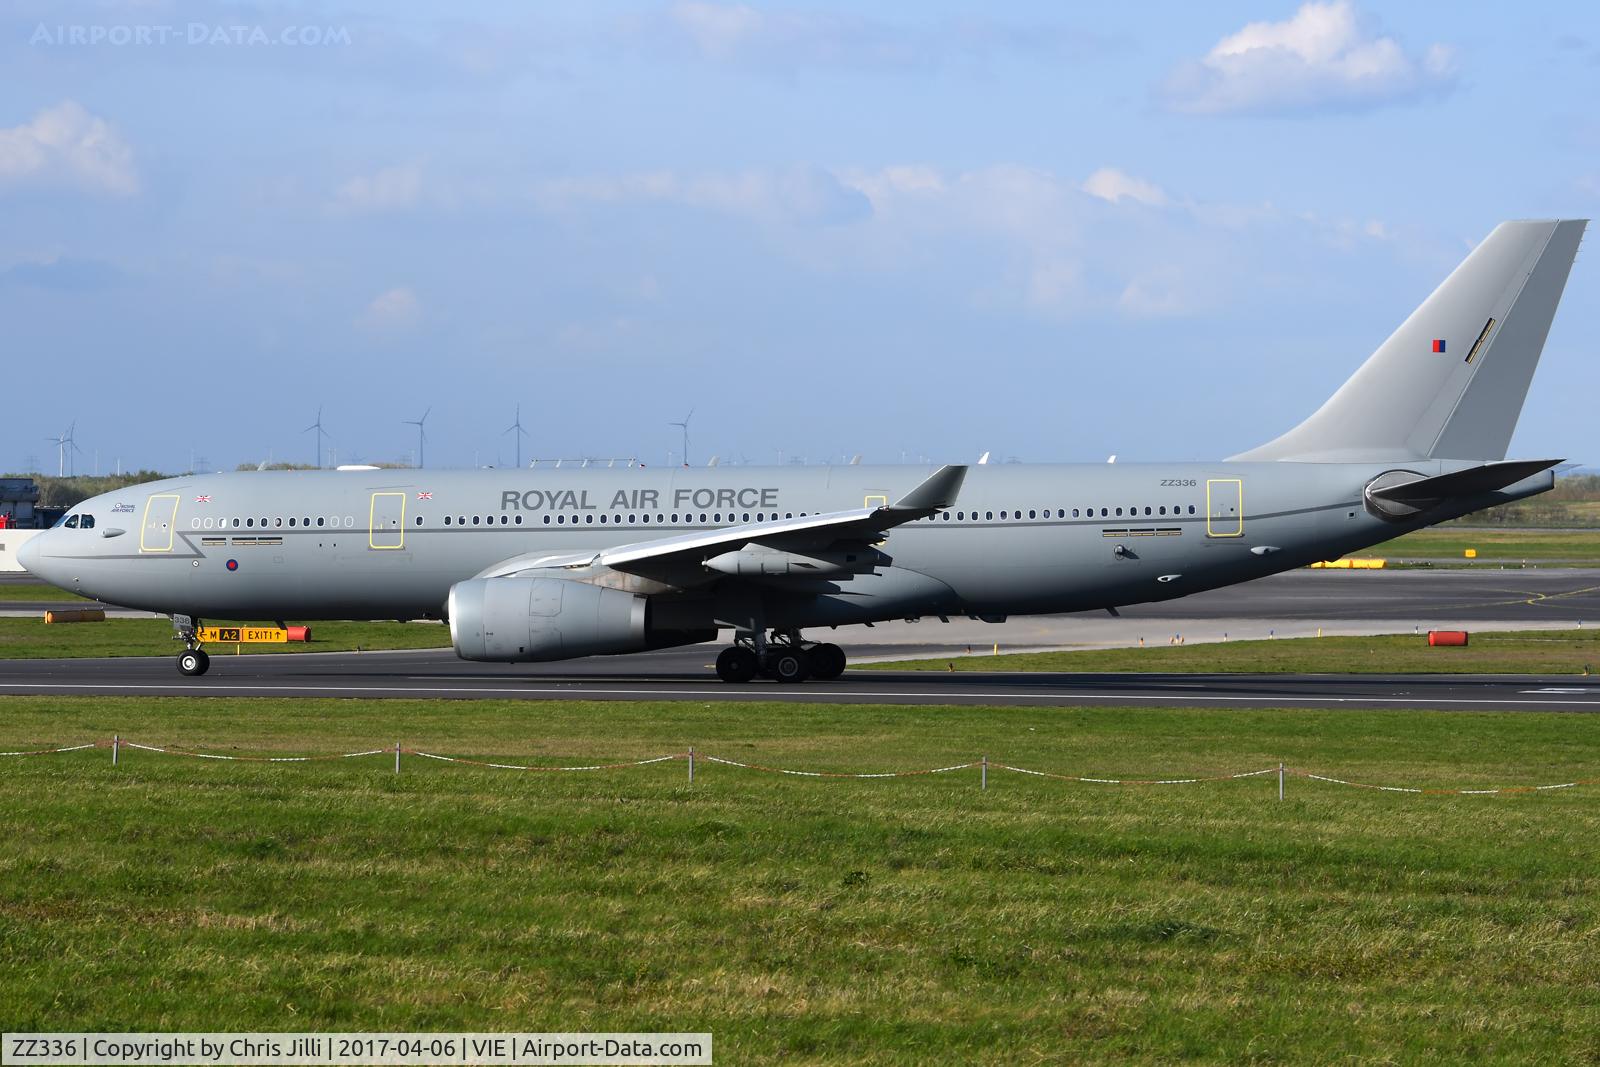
(816, 532)
(804, 533)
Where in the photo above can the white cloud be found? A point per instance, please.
(1114, 186)
(718, 29)
(1325, 57)
(392, 311)
(806, 196)
(65, 143)
(390, 189)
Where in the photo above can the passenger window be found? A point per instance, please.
(519, 520)
(547, 520)
(1191, 509)
(250, 522)
(320, 521)
(988, 514)
(447, 520)
(419, 520)
(71, 523)
(1030, 513)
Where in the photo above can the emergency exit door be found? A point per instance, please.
(160, 515)
(1224, 507)
(386, 521)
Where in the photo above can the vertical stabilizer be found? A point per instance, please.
(1450, 382)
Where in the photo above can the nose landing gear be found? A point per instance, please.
(192, 661)
(784, 657)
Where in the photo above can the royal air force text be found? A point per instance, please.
(636, 499)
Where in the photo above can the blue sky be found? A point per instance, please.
(1054, 232)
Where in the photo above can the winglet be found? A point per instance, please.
(937, 491)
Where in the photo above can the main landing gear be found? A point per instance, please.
(192, 661)
(783, 657)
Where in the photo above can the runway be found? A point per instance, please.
(684, 674)
(1287, 604)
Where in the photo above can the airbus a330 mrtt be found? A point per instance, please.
(531, 565)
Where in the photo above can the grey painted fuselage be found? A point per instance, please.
(1020, 539)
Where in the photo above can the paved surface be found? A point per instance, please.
(1292, 604)
(684, 674)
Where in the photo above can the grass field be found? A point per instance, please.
(32, 639)
(1495, 546)
(1514, 652)
(810, 920)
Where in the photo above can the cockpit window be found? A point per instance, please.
(86, 523)
(71, 523)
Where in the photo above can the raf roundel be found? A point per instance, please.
(233, 564)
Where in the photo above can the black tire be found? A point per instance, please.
(736, 664)
(193, 663)
(827, 662)
(789, 665)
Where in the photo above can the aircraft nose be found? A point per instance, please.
(28, 553)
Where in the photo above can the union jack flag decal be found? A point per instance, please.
(204, 498)
(424, 496)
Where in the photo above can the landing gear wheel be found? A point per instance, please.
(789, 665)
(193, 662)
(827, 662)
(737, 664)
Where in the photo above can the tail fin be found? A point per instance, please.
(1449, 383)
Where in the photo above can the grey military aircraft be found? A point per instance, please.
(538, 565)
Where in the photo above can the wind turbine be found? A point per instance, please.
(422, 435)
(317, 426)
(61, 441)
(521, 433)
(684, 426)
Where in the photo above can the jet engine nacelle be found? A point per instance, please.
(511, 620)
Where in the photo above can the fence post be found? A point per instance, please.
(1280, 779)
(691, 765)
(983, 773)
(116, 743)
(397, 757)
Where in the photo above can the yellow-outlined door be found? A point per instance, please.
(1224, 507)
(386, 521)
(160, 516)
(876, 500)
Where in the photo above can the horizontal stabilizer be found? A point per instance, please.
(1474, 481)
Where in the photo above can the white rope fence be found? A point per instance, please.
(117, 743)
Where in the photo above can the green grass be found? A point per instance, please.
(801, 920)
(33, 639)
(13, 592)
(1494, 546)
(1513, 652)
